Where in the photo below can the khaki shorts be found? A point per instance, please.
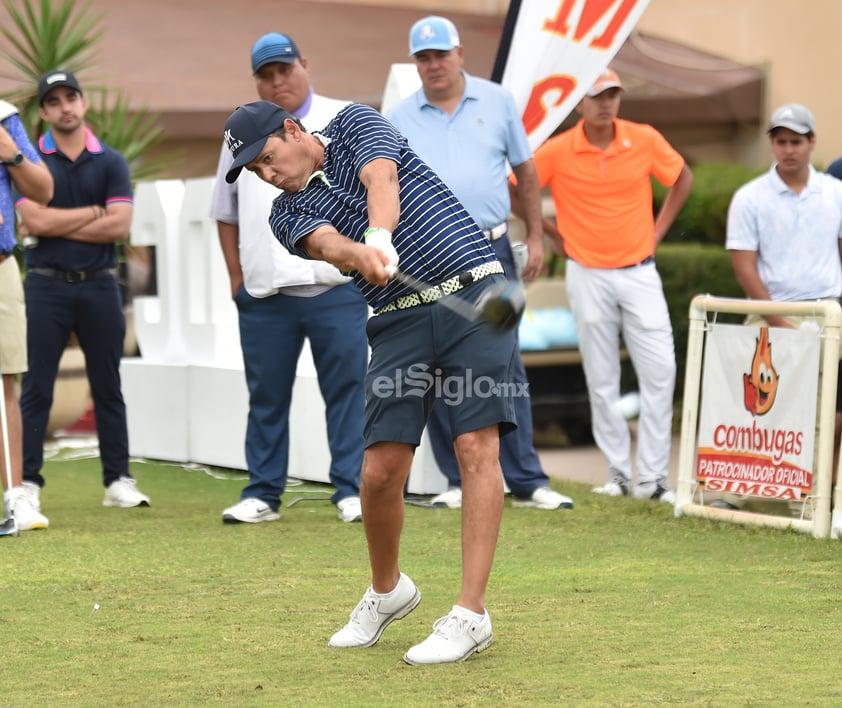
(12, 319)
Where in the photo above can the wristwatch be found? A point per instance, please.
(15, 161)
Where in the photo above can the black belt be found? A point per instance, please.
(74, 276)
(645, 261)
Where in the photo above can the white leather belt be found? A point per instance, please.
(437, 292)
(496, 232)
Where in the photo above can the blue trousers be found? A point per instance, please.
(521, 467)
(93, 311)
(272, 332)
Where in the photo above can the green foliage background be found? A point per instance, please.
(63, 34)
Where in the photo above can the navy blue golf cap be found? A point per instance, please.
(246, 131)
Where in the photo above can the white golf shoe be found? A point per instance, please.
(125, 494)
(376, 612)
(33, 491)
(27, 516)
(349, 509)
(544, 498)
(654, 490)
(452, 498)
(455, 637)
(612, 489)
(250, 510)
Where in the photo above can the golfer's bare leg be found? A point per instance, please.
(478, 453)
(384, 473)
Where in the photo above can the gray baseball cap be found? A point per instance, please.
(795, 117)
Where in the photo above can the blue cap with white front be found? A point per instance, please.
(433, 32)
(273, 47)
(247, 130)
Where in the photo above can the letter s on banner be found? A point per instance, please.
(556, 50)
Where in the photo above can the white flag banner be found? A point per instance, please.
(757, 422)
(557, 50)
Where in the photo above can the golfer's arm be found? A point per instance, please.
(327, 244)
(380, 178)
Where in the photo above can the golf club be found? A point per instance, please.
(9, 527)
(500, 306)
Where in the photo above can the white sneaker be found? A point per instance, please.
(545, 498)
(612, 489)
(654, 490)
(250, 510)
(33, 491)
(452, 498)
(455, 637)
(124, 493)
(375, 612)
(26, 515)
(350, 509)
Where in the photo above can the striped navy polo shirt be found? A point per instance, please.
(436, 238)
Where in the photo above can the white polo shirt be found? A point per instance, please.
(267, 266)
(796, 236)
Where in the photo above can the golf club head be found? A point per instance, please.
(9, 526)
(502, 305)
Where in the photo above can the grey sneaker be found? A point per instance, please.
(124, 493)
(455, 637)
(654, 490)
(374, 613)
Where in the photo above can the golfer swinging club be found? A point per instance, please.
(355, 195)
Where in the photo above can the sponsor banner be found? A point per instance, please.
(556, 50)
(757, 420)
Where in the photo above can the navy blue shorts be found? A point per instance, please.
(429, 352)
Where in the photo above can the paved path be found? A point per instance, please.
(586, 463)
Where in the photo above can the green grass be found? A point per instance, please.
(614, 603)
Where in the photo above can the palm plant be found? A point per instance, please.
(50, 34)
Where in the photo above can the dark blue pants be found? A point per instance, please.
(272, 332)
(521, 467)
(94, 312)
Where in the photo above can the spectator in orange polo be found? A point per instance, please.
(599, 175)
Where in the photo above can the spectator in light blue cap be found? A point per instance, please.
(433, 32)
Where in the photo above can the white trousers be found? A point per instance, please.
(608, 304)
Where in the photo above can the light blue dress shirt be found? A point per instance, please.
(483, 136)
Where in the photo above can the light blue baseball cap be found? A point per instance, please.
(433, 32)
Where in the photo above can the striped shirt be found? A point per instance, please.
(436, 239)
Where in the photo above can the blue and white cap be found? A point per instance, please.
(246, 131)
(433, 32)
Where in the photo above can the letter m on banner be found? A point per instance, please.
(552, 51)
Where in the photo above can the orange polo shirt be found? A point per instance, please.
(603, 198)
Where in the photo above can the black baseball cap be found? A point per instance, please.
(246, 131)
(54, 79)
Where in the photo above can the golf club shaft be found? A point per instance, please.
(455, 304)
(7, 458)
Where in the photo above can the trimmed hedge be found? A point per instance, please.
(704, 216)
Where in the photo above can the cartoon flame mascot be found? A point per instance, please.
(761, 385)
